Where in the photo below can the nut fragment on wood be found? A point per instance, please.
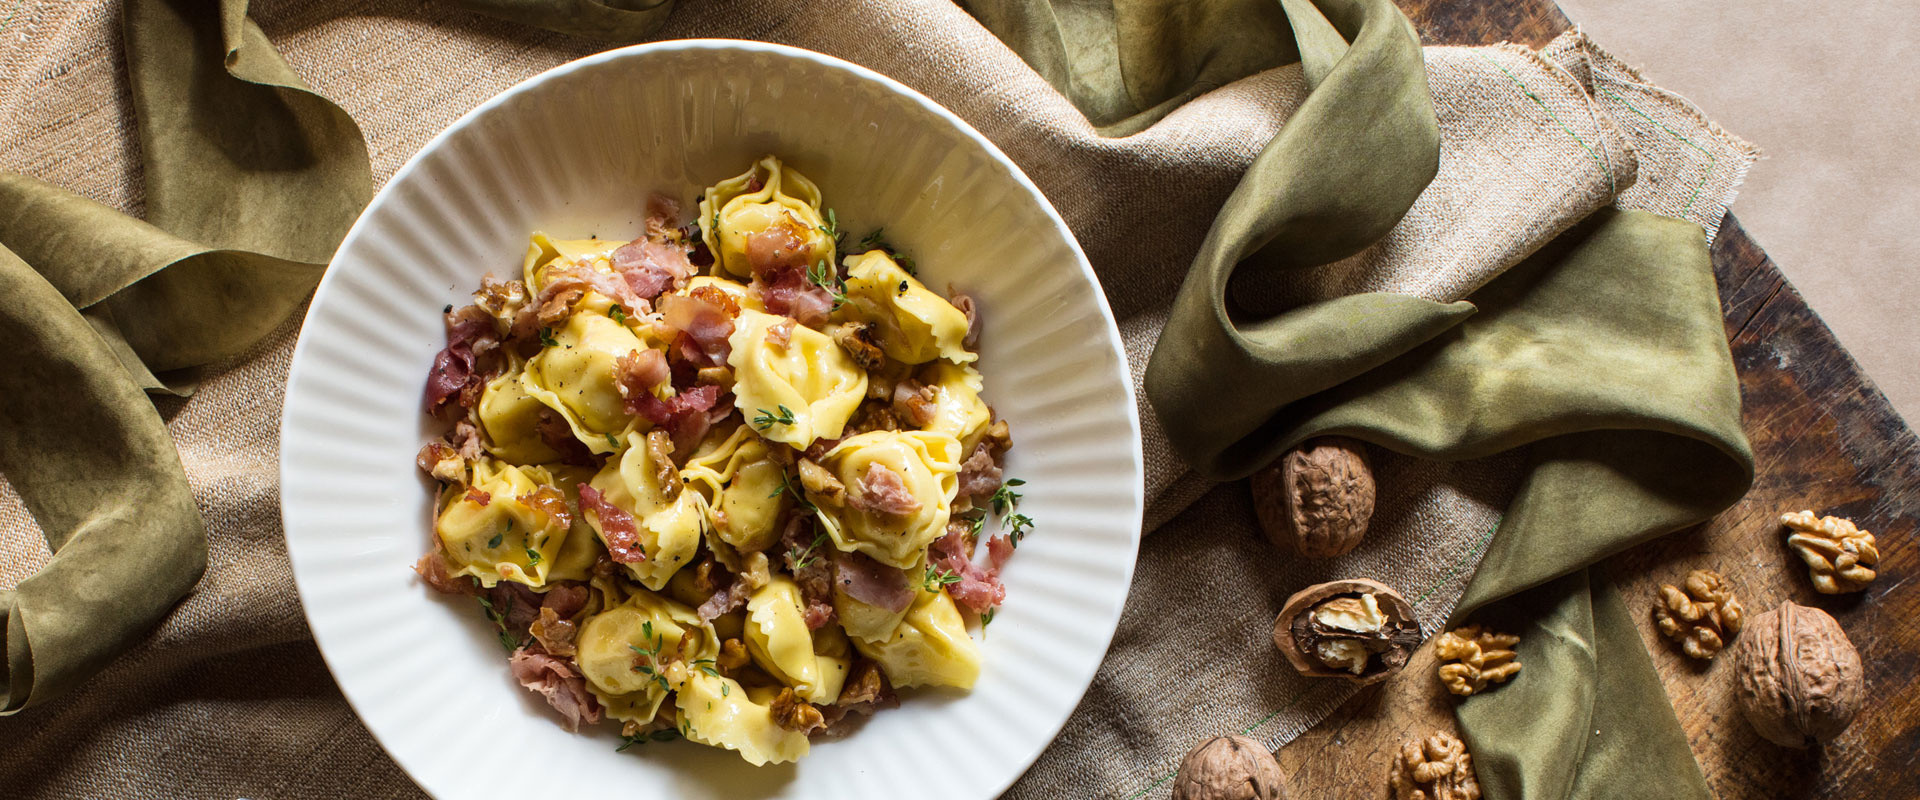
(1839, 555)
(1230, 768)
(1360, 630)
(1436, 768)
(1317, 499)
(1799, 679)
(1478, 658)
(1703, 618)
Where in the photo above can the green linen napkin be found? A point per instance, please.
(252, 181)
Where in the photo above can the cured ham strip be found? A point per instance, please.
(434, 572)
(557, 681)
(641, 371)
(683, 416)
(978, 589)
(881, 491)
(871, 582)
(616, 526)
(812, 570)
(980, 474)
(455, 381)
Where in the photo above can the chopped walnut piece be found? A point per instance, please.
(1438, 768)
(915, 403)
(1840, 556)
(733, 656)
(794, 714)
(857, 340)
(1703, 618)
(1000, 435)
(660, 450)
(440, 460)
(553, 633)
(1481, 658)
(821, 486)
(866, 685)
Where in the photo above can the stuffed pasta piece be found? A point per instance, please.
(724, 482)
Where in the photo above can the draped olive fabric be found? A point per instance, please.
(1601, 358)
(251, 182)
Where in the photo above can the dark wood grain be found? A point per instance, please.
(1825, 439)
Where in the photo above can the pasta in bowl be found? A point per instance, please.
(733, 473)
(430, 675)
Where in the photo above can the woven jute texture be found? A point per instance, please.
(230, 699)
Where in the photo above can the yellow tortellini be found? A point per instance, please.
(668, 526)
(796, 393)
(577, 377)
(958, 410)
(546, 254)
(490, 531)
(928, 465)
(511, 419)
(929, 648)
(717, 711)
(814, 663)
(582, 547)
(730, 214)
(912, 324)
(745, 490)
(624, 652)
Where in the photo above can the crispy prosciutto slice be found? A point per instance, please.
(557, 681)
(616, 525)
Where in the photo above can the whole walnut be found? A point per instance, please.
(1317, 499)
(1703, 618)
(1436, 768)
(1230, 768)
(1799, 678)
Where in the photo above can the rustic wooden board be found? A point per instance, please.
(1825, 439)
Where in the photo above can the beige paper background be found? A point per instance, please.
(1828, 93)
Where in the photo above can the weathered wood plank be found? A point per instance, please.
(1825, 439)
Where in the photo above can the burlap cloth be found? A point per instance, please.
(230, 699)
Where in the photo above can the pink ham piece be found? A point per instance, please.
(725, 601)
(966, 306)
(700, 322)
(780, 258)
(811, 569)
(978, 589)
(557, 681)
(656, 262)
(871, 582)
(455, 380)
(640, 371)
(683, 416)
(980, 474)
(881, 491)
(616, 526)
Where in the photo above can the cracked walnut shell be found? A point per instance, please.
(1360, 630)
(1703, 618)
(1840, 556)
(1480, 658)
(1799, 680)
(1230, 768)
(1317, 499)
(1437, 768)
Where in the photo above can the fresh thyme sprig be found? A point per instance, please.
(934, 579)
(546, 338)
(1005, 499)
(662, 735)
(618, 313)
(827, 278)
(499, 620)
(832, 228)
(1018, 526)
(877, 240)
(767, 419)
(806, 558)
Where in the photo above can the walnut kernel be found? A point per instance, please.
(1437, 768)
(794, 714)
(1230, 768)
(1317, 499)
(1840, 555)
(1703, 618)
(1480, 657)
(1360, 630)
(1799, 678)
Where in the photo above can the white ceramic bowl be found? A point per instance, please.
(575, 151)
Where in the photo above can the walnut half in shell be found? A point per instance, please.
(1359, 629)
